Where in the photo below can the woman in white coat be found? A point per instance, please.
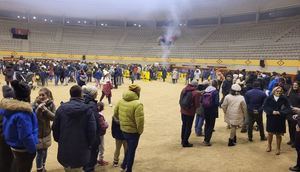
(235, 109)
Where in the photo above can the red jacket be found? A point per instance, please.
(107, 89)
(196, 98)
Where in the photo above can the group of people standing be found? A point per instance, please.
(243, 104)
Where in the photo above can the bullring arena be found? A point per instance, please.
(226, 35)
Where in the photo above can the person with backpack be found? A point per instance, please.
(210, 103)
(189, 101)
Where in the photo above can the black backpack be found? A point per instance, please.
(186, 100)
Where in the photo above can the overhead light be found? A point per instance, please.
(105, 24)
(180, 24)
(24, 17)
(84, 22)
(18, 17)
(78, 22)
(140, 25)
(134, 24)
(34, 17)
(45, 20)
(68, 21)
(51, 21)
(102, 24)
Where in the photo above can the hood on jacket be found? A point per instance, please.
(15, 105)
(75, 107)
(190, 88)
(210, 89)
(130, 96)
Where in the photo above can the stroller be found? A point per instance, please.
(26, 77)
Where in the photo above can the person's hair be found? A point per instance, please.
(47, 92)
(256, 84)
(100, 106)
(214, 83)
(75, 91)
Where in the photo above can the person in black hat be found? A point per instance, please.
(20, 127)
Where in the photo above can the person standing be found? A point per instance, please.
(106, 88)
(164, 74)
(293, 96)
(296, 117)
(235, 110)
(276, 107)
(210, 103)
(255, 99)
(130, 112)
(8, 73)
(45, 111)
(20, 127)
(189, 101)
(74, 128)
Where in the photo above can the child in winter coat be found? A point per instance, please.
(107, 86)
(103, 127)
(119, 139)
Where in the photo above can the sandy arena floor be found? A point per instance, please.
(159, 147)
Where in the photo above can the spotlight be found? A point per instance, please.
(24, 17)
(51, 21)
(45, 20)
(68, 22)
(78, 22)
(18, 17)
(102, 24)
(84, 22)
(34, 17)
(140, 25)
(134, 24)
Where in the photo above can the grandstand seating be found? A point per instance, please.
(266, 39)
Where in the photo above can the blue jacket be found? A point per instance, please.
(98, 75)
(20, 127)
(255, 99)
(272, 84)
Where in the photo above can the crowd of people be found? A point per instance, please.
(79, 125)
(246, 95)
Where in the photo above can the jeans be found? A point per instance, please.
(102, 96)
(90, 167)
(199, 121)
(132, 140)
(41, 158)
(73, 169)
(22, 161)
(259, 120)
(56, 79)
(210, 121)
(101, 148)
(187, 122)
(6, 156)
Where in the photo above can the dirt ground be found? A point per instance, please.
(159, 148)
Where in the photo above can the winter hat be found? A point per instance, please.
(89, 90)
(236, 87)
(22, 90)
(7, 92)
(194, 83)
(135, 88)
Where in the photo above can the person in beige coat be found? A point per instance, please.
(235, 110)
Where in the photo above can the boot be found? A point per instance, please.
(230, 142)
(234, 139)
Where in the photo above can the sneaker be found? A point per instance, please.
(110, 105)
(115, 164)
(289, 142)
(188, 145)
(102, 162)
(295, 168)
(122, 169)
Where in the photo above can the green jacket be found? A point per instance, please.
(130, 113)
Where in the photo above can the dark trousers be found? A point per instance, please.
(102, 96)
(132, 140)
(292, 129)
(22, 161)
(90, 167)
(187, 123)
(6, 156)
(209, 126)
(41, 158)
(259, 120)
(297, 145)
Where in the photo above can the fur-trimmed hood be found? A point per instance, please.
(15, 105)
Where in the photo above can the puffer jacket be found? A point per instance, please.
(130, 112)
(20, 127)
(44, 125)
(235, 109)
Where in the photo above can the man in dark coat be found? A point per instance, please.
(74, 128)
(226, 86)
(255, 99)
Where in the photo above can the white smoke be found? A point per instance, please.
(171, 32)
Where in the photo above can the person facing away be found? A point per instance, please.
(74, 128)
(130, 112)
(20, 127)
